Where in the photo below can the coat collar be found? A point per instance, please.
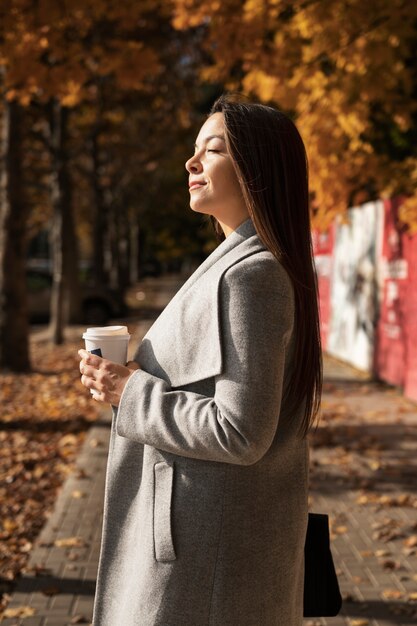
(184, 344)
(243, 232)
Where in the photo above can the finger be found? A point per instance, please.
(89, 370)
(90, 359)
(103, 396)
(83, 365)
(88, 382)
(96, 395)
(133, 365)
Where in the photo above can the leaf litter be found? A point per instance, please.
(46, 415)
(370, 458)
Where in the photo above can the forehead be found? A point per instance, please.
(214, 125)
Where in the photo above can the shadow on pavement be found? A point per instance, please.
(51, 585)
(395, 612)
(381, 456)
(69, 426)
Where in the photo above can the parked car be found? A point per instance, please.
(99, 304)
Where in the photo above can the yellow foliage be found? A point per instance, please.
(71, 93)
(50, 51)
(407, 214)
(329, 62)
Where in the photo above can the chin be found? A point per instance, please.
(197, 208)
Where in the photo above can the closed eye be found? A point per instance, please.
(211, 150)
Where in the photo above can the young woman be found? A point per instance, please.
(206, 494)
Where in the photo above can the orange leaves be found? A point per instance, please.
(41, 429)
(330, 63)
(57, 53)
(70, 542)
(191, 13)
(260, 82)
(392, 594)
(384, 500)
(20, 611)
(71, 93)
(411, 542)
(408, 212)
(134, 63)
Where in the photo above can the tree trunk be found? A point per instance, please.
(111, 257)
(123, 251)
(14, 325)
(100, 215)
(71, 255)
(134, 251)
(65, 301)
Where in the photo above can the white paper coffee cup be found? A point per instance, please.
(111, 341)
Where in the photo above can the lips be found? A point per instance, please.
(196, 184)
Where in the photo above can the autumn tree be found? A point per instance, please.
(346, 71)
(14, 352)
(57, 57)
(137, 141)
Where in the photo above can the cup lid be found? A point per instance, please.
(102, 331)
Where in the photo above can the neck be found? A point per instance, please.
(231, 226)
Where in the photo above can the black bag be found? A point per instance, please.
(321, 588)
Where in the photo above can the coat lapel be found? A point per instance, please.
(237, 237)
(184, 343)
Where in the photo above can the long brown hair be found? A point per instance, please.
(271, 163)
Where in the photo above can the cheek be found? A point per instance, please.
(230, 182)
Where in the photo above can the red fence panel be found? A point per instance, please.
(323, 254)
(396, 338)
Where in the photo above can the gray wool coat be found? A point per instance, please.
(206, 492)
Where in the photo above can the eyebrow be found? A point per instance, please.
(207, 139)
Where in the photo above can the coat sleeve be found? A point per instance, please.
(238, 424)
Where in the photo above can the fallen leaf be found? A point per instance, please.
(389, 564)
(387, 530)
(357, 580)
(95, 443)
(77, 494)
(26, 547)
(41, 433)
(410, 542)
(392, 594)
(366, 553)
(19, 611)
(9, 525)
(380, 553)
(69, 542)
(68, 440)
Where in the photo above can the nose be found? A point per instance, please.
(193, 165)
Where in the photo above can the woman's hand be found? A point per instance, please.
(105, 378)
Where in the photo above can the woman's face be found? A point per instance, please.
(213, 182)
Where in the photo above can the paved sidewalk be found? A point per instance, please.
(59, 586)
(364, 470)
(364, 475)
